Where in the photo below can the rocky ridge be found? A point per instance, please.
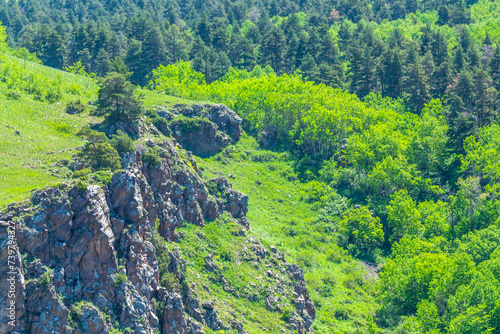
(86, 261)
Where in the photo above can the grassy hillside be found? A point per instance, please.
(286, 213)
(37, 136)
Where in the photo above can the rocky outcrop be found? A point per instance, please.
(135, 129)
(269, 137)
(203, 129)
(92, 245)
(84, 260)
(229, 200)
(303, 303)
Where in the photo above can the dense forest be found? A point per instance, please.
(391, 106)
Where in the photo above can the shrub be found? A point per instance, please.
(225, 255)
(362, 229)
(159, 122)
(45, 279)
(82, 174)
(122, 143)
(152, 157)
(75, 107)
(81, 186)
(189, 125)
(213, 189)
(168, 281)
(98, 153)
(102, 177)
(120, 278)
(315, 191)
(287, 313)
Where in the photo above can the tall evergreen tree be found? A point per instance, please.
(391, 73)
(274, 50)
(415, 85)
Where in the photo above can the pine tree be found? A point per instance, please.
(274, 50)
(117, 100)
(460, 116)
(118, 65)
(473, 56)
(415, 86)
(363, 79)
(176, 44)
(444, 15)
(487, 39)
(330, 75)
(134, 61)
(309, 68)
(494, 68)
(466, 39)
(391, 73)
(458, 59)
(484, 98)
(441, 79)
(102, 62)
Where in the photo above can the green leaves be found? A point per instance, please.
(362, 229)
(178, 79)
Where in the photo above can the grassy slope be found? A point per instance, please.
(340, 286)
(47, 134)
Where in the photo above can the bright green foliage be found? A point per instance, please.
(474, 321)
(120, 278)
(305, 230)
(483, 154)
(362, 229)
(26, 77)
(177, 79)
(82, 174)
(403, 216)
(102, 177)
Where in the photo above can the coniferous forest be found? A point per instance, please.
(388, 113)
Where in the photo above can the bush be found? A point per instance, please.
(98, 153)
(45, 279)
(81, 186)
(362, 229)
(168, 281)
(75, 107)
(120, 278)
(226, 255)
(213, 188)
(102, 177)
(315, 191)
(122, 143)
(287, 313)
(152, 157)
(82, 174)
(159, 122)
(189, 125)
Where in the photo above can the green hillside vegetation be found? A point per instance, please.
(384, 181)
(38, 137)
(428, 201)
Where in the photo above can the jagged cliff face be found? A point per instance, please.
(85, 262)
